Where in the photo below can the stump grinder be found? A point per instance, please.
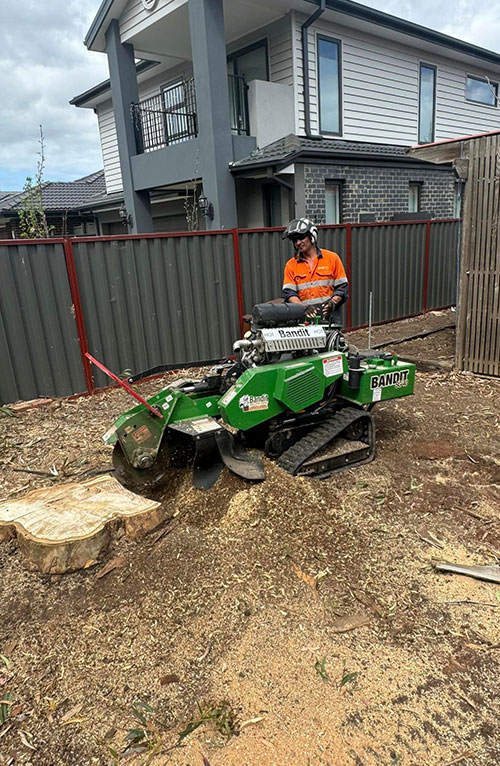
(294, 390)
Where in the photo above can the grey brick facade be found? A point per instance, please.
(380, 191)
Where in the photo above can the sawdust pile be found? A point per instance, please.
(291, 621)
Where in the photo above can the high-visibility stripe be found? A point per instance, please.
(316, 283)
(311, 301)
(291, 286)
(340, 281)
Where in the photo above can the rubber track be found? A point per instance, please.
(292, 459)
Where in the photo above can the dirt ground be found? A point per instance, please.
(242, 617)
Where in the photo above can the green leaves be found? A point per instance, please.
(222, 716)
(319, 667)
(347, 678)
(6, 702)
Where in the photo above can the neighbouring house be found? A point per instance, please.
(261, 110)
(68, 205)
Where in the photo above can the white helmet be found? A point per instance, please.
(301, 227)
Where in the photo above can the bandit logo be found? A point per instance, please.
(397, 379)
(252, 403)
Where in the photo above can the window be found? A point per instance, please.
(481, 91)
(426, 103)
(414, 196)
(250, 62)
(329, 85)
(333, 202)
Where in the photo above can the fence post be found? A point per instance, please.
(426, 265)
(77, 306)
(349, 271)
(239, 281)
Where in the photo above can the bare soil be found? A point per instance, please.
(302, 618)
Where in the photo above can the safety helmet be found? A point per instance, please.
(301, 227)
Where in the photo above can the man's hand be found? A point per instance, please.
(330, 305)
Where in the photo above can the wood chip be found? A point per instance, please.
(171, 678)
(119, 561)
(428, 537)
(309, 579)
(71, 714)
(349, 622)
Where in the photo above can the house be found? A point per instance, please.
(69, 207)
(256, 111)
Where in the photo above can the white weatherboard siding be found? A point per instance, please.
(380, 89)
(454, 115)
(109, 147)
(281, 55)
(107, 128)
(135, 17)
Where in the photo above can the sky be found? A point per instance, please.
(44, 64)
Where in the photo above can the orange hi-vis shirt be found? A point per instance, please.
(315, 282)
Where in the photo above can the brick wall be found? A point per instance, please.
(380, 191)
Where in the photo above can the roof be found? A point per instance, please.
(112, 9)
(60, 195)
(84, 99)
(290, 148)
(446, 150)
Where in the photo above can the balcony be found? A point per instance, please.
(170, 117)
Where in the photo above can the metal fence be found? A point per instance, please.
(136, 302)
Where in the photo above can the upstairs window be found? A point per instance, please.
(250, 62)
(426, 103)
(480, 91)
(329, 85)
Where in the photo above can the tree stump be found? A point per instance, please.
(64, 528)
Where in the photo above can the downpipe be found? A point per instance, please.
(305, 64)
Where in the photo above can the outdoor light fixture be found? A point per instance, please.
(126, 217)
(205, 207)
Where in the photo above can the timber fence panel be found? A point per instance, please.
(39, 344)
(157, 300)
(443, 260)
(388, 261)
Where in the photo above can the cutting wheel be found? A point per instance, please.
(142, 479)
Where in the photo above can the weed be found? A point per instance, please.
(347, 678)
(141, 738)
(319, 667)
(5, 706)
(221, 716)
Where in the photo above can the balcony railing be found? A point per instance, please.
(170, 116)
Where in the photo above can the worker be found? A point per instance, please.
(313, 277)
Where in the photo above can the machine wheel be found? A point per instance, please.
(142, 479)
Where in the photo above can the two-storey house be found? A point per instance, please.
(221, 113)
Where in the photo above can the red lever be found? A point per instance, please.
(124, 385)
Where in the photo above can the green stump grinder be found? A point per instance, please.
(294, 390)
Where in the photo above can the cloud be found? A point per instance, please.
(44, 64)
(475, 21)
(41, 49)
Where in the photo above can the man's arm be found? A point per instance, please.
(289, 291)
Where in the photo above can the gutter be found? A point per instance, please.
(330, 157)
(382, 19)
(97, 23)
(305, 64)
(103, 87)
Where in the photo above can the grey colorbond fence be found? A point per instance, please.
(137, 302)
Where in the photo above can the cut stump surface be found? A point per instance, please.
(61, 529)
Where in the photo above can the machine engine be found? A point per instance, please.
(283, 329)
